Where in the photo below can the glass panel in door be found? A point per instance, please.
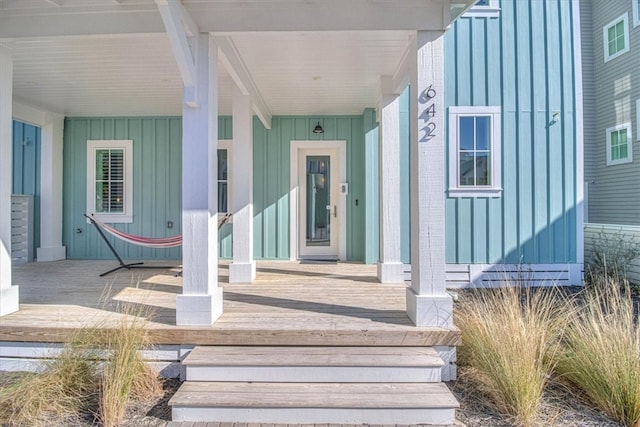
(318, 203)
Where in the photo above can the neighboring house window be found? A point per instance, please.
(636, 12)
(619, 147)
(475, 152)
(110, 180)
(616, 38)
(224, 186)
(486, 8)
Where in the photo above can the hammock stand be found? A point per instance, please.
(150, 242)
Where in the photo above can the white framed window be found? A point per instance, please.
(484, 8)
(619, 144)
(475, 152)
(616, 38)
(635, 4)
(110, 180)
(224, 176)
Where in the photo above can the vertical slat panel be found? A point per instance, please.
(521, 61)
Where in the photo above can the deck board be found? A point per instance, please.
(288, 304)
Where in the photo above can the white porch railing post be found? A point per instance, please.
(428, 304)
(201, 299)
(243, 267)
(390, 267)
(8, 293)
(51, 248)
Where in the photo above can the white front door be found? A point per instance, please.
(318, 204)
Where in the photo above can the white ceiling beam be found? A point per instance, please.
(173, 14)
(401, 75)
(241, 76)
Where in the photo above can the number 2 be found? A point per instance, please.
(428, 132)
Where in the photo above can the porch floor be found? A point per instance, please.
(289, 303)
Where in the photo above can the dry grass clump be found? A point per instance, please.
(125, 375)
(65, 388)
(509, 337)
(601, 351)
(101, 370)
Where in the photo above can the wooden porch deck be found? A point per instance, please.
(289, 304)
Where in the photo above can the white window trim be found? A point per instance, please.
(635, 4)
(605, 37)
(629, 158)
(491, 11)
(127, 146)
(495, 189)
(227, 144)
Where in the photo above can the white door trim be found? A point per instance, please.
(296, 146)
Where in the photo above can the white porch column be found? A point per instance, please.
(428, 304)
(51, 248)
(390, 267)
(8, 293)
(201, 299)
(243, 267)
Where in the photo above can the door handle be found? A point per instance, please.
(335, 211)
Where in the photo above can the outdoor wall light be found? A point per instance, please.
(318, 129)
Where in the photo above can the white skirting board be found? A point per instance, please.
(492, 275)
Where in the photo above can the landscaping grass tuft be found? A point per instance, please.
(509, 338)
(601, 351)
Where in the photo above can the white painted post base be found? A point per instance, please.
(9, 300)
(199, 310)
(51, 254)
(242, 272)
(430, 310)
(391, 272)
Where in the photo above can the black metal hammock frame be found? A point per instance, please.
(149, 242)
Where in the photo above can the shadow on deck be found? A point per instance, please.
(288, 304)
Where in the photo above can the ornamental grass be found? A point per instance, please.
(601, 350)
(509, 339)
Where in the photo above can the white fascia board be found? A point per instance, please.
(27, 114)
(172, 14)
(401, 75)
(240, 74)
(79, 17)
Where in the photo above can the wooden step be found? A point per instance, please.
(309, 403)
(313, 364)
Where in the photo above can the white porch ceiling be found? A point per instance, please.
(296, 73)
(66, 61)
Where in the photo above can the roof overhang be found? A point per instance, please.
(294, 57)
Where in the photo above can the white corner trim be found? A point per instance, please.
(127, 145)
(605, 37)
(635, 4)
(579, 132)
(608, 132)
(638, 118)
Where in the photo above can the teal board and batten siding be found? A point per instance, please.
(156, 184)
(522, 61)
(157, 176)
(26, 168)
